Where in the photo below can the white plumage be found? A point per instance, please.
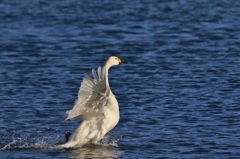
(96, 106)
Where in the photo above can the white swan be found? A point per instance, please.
(96, 106)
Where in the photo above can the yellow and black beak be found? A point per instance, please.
(120, 61)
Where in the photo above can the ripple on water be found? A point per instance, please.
(178, 96)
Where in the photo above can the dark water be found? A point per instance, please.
(179, 95)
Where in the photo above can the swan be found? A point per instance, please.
(96, 107)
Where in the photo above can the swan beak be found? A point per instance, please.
(121, 62)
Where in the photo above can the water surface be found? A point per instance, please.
(178, 95)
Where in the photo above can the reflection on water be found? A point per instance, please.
(95, 152)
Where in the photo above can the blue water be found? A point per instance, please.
(179, 94)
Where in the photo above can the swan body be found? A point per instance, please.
(96, 106)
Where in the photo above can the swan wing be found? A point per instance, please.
(92, 97)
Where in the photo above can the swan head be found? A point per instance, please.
(113, 60)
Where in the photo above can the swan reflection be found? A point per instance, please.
(94, 151)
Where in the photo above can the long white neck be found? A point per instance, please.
(113, 104)
(107, 66)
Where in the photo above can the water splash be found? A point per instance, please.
(45, 140)
(35, 140)
(109, 140)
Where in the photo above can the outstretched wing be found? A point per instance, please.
(92, 96)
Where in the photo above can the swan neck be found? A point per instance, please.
(107, 66)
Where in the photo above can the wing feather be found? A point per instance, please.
(103, 74)
(94, 74)
(92, 96)
(99, 72)
(89, 79)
